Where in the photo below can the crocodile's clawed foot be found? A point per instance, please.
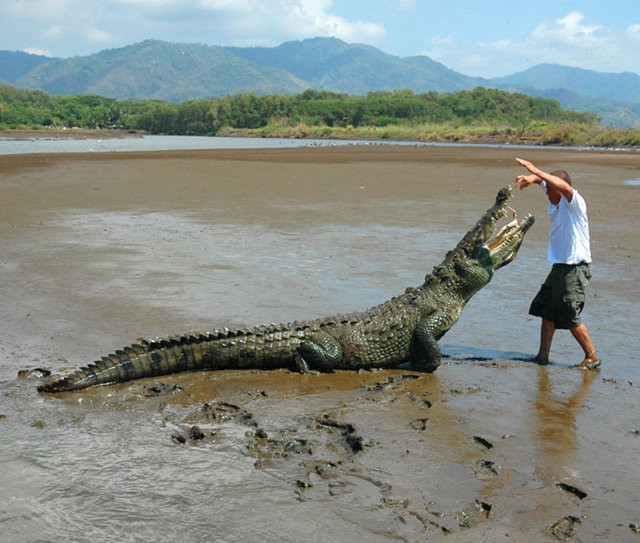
(304, 368)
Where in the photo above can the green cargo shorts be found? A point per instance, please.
(561, 296)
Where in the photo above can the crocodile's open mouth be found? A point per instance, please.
(505, 244)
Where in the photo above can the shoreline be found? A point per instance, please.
(66, 133)
(461, 138)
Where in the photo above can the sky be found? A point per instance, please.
(487, 38)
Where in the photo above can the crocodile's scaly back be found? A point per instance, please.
(404, 329)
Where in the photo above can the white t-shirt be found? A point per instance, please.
(569, 232)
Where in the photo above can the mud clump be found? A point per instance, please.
(196, 434)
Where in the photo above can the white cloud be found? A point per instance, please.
(273, 20)
(54, 32)
(402, 4)
(145, 3)
(568, 30)
(567, 40)
(37, 51)
(95, 35)
(233, 5)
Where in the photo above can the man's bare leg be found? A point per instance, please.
(547, 329)
(591, 360)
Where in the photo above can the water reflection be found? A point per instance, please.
(555, 423)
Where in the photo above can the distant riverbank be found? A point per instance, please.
(560, 135)
(68, 133)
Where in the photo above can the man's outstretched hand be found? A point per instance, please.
(526, 164)
(523, 181)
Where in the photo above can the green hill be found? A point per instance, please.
(331, 64)
(159, 70)
(177, 72)
(15, 64)
(624, 86)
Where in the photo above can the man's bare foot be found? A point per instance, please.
(538, 359)
(589, 364)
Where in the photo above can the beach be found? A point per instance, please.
(101, 249)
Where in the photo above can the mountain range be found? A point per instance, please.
(177, 72)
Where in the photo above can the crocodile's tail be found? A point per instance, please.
(261, 347)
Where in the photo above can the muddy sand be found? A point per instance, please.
(101, 249)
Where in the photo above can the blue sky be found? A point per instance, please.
(486, 38)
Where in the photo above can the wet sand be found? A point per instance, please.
(98, 250)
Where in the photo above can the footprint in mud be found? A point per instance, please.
(419, 424)
(266, 448)
(221, 411)
(581, 494)
(391, 383)
(449, 522)
(423, 401)
(487, 466)
(484, 442)
(316, 451)
(565, 528)
(214, 412)
(307, 457)
(192, 435)
(351, 441)
(160, 389)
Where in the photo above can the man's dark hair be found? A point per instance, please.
(562, 175)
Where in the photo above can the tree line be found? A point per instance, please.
(33, 108)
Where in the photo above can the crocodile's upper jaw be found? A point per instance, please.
(503, 247)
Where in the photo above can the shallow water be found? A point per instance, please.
(129, 143)
(378, 456)
(57, 144)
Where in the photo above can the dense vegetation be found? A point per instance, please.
(477, 114)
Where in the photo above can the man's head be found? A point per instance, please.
(562, 175)
(554, 195)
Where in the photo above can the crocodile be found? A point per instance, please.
(403, 330)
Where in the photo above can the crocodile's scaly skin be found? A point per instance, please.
(404, 329)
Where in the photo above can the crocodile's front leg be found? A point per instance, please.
(321, 351)
(425, 352)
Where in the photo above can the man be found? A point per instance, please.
(561, 298)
